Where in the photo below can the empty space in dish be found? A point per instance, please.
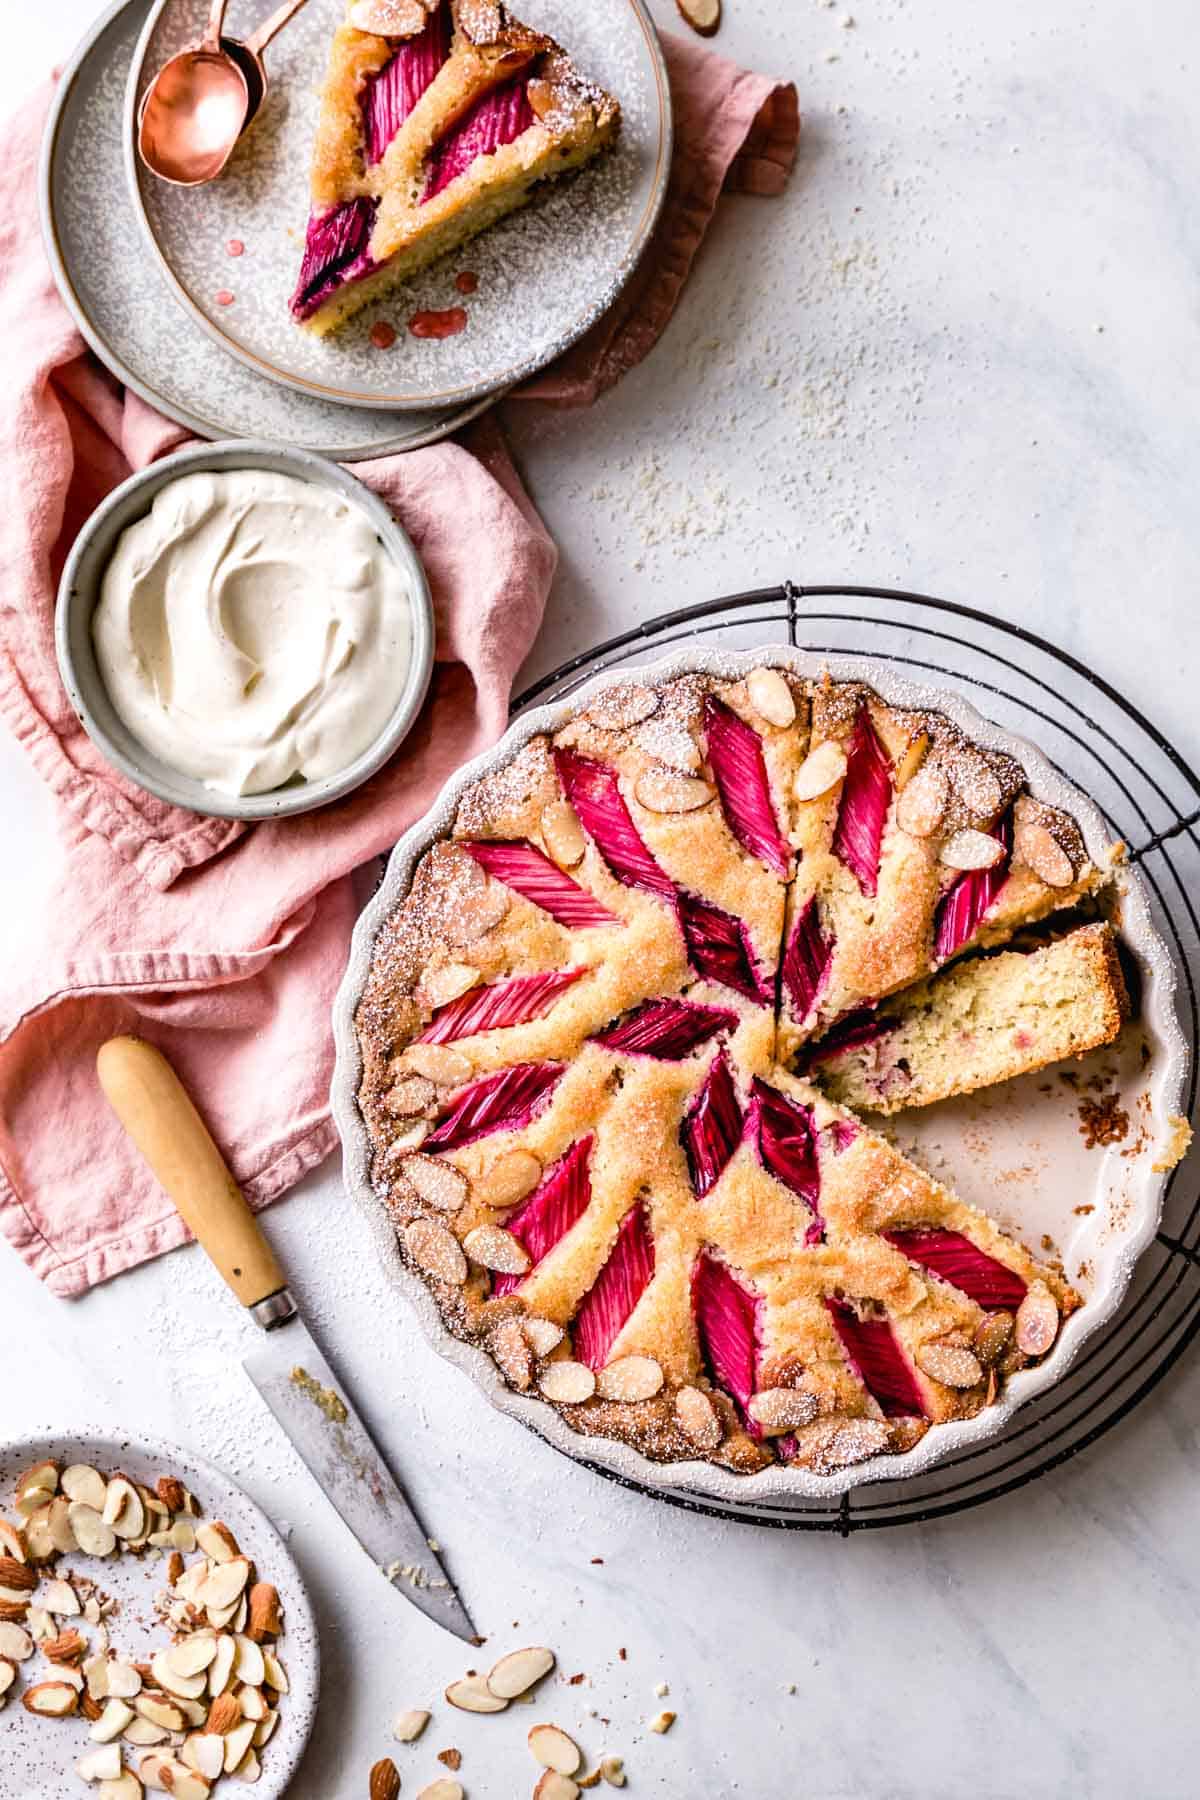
(1018, 1151)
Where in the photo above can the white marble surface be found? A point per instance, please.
(959, 356)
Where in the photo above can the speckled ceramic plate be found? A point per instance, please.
(545, 275)
(123, 307)
(1015, 1150)
(39, 1755)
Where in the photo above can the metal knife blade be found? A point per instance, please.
(310, 1404)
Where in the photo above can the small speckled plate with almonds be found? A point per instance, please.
(545, 274)
(43, 1751)
(1016, 1151)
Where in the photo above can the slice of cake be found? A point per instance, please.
(438, 118)
(980, 1021)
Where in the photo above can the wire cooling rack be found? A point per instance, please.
(1151, 799)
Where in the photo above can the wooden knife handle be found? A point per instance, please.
(152, 1104)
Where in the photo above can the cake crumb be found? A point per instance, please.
(1103, 1121)
(1176, 1146)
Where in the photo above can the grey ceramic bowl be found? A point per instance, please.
(79, 592)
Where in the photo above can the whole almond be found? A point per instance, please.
(496, 1249)
(440, 1063)
(171, 1492)
(697, 1418)
(449, 981)
(663, 790)
(436, 1251)
(562, 834)
(771, 697)
(630, 1378)
(781, 1409)
(951, 1364)
(385, 1780)
(1038, 849)
(1037, 1320)
(438, 1183)
(969, 849)
(922, 806)
(18, 1575)
(224, 1714)
(264, 1618)
(820, 771)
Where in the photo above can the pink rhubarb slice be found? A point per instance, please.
(610, 1300)
(735, 754)
(718, 947)
(505, 1101)
(712, 1127)
(666, 1029)
(955, 1259)
(594, 792)
(961, 910)
(786, 1139)
(560, 1199)
(729, 1326)
(530, 873)
(850, 1032)
(336, 250)
(866, 798)
(497, 119)
(498, 1006)
(806, 961)
(389, 95)
(878, 1361)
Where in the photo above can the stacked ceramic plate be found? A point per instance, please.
(203, 331)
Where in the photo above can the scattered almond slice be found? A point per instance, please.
(123, 1509)
(408, 1726)
(517, 1672)
(704, 16)
(12, 1542)
(550, 1746)
(192, 1655)
(553, 1786)
(770, 695)
(543, 1334)
(276, 1673)
(613, 1770)
(922, 805)
(124, 1786)
(663, 790)
(411, 1096)
(217, 1541)
(473, 1694)
(781, 1409)
(384, 1783)
(8, 1674)
(495, 1248)
(511, 1177)
(662, 1723)
(563, 835)
(266, 1618)
(1038, 849)
(159, 1711)
(567, 1383)
(440, 1063)
(15, 1642)
(220, 1670)
(224, 1715)
(53, 1699)
(92, 1534)
(697, 1418)
(237, 1742)
(224, 1584)
(249, 1769)
(253, 1704)
(249, 1663)
(265, 1729)
(82, 1482)
(442, 1789)
(438, 1183)
(450, 981)
(60, 1597)
(142, 1733)
(970, 849)
(976, 783)
(186, 1687)
(436, 1251)
(103, 1764)
(951, 1364)
(1037, 1320)
(820, 771)
(629, 1378)
(207, 1755)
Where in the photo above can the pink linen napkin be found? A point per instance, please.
(222, 944)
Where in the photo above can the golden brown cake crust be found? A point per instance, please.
(808, 1249)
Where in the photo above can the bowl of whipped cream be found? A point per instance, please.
(245, 630)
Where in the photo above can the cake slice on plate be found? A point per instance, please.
(981, 1021)
(438, 118)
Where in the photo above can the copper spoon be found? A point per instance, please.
(199, 103)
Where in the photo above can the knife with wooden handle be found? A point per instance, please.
(290, 1372)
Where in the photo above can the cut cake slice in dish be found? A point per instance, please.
(985, 1020)
(437, 119)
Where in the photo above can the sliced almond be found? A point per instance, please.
(192, 1655)
(194, 1711)
(697, 1418)
(121, 1680)
(442, 1789)
(249, 1769)
(264, 1730)
(450, 981)
(629, 1378)
(187, 1687)
(124, 1786)
(410, 1097)
(436, 1250)
(143, 1733)
(511, 1350)
(1037, 1320)
(438, 1183)
(35, 1486)
(622, 706)
(472, 1694)
(497, 1249)
(553, 1786)
(103, 1764)
(567, 1383)
(408, 1726)
(183, 1536)
(224, 1584)
(112, 1722)
(543, 1335)
(704, 16)
(771, 697)
(517, 1672)
(476, 913)
(993, 1336)
(159, 1712)
(782, 1409)
(662, 1723)
(53, 1699)
(225, 1714)
(12, 1541)
(820, 771)
(663, 790)
(562, 834)
(550, 1746)
(440, 1063)
(205, 1754)
(951, 1364)
(82, 1482)
(8, 1674)
(276, 1673)
(93, 1536)
(1035, 846)
(237, 1742)
(151, 1769)
(922, 805)
(976, 783)
(613, 1770)
(17, 1579)
(249, 1664)
(48, 1532)
(60, 1597)
(217, 1541)
(511, 1177)
(186, 1785)
(253, 1705)
(969, 849)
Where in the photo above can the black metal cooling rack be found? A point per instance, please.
(1150, 796)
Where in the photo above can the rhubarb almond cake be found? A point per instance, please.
(438, 118)
(621, 1038)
